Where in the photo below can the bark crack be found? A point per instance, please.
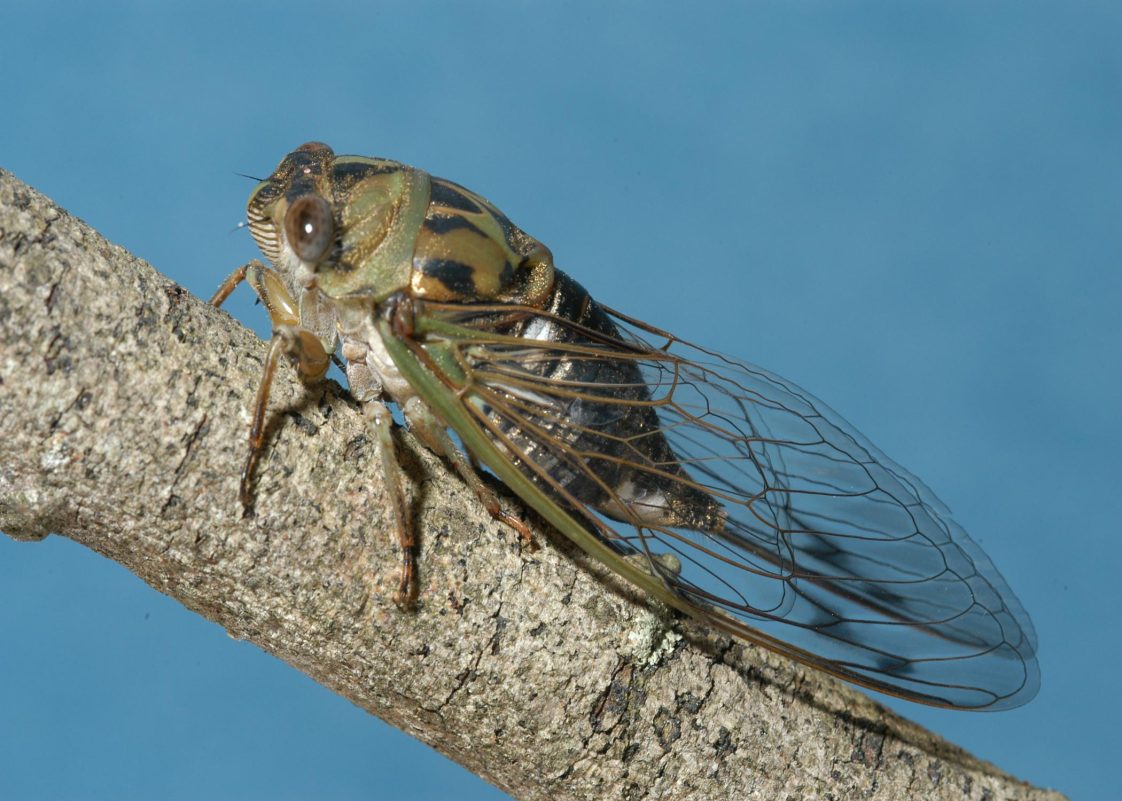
(190, 444)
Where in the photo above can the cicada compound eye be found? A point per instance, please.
(309, 227)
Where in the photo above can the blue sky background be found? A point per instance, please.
(910, 209)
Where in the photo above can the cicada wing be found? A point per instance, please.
(757, 507)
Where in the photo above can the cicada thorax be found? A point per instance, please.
(467, 251)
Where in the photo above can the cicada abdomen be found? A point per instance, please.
(589, 422)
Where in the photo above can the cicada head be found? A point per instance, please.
(346, 225)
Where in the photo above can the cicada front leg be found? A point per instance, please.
(300, 345)
(433, 433)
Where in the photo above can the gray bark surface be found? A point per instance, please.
(124, 406)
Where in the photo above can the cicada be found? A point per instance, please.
(719, 488)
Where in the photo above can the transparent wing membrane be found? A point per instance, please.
(756, 506)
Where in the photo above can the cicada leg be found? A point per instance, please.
(302, 347)
(382, 422)
(270, 288)
(435, 437)
(230, 284)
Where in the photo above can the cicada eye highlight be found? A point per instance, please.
(309, 227)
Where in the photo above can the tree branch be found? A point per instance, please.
(123, 413)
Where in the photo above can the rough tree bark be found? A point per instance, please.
(123, 413)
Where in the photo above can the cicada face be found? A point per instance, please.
(718, 487)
